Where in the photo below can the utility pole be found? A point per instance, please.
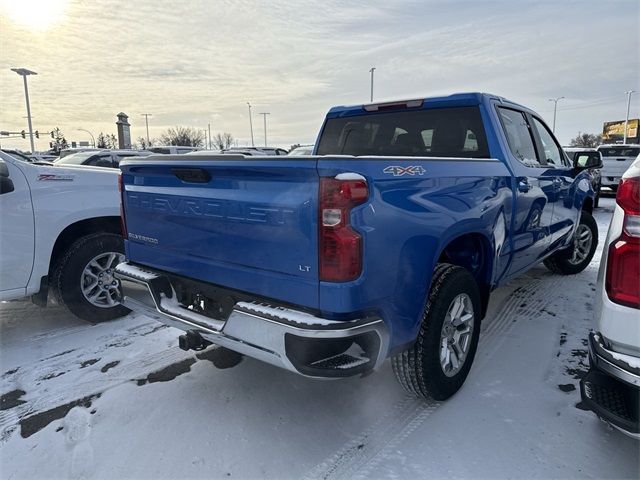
(626, 119)
(371, 71)
(555, 108)
(209, 126)
(146, 121)
(24, 73)
(264, 116)
(251, 124)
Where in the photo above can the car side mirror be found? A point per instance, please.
(587, 159)
(6, 185)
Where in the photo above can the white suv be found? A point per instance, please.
(612, 387)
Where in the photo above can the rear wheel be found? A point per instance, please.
(436, 366)
(84, 277)
(577, 256)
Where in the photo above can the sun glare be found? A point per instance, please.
(34, 14)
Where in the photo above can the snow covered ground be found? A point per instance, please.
(120, 400)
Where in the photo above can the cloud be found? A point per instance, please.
(199, 62)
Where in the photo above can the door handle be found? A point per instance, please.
(523, 185)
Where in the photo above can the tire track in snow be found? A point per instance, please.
(360, 456)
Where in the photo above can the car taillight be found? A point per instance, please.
(123, 223)
(623, 264)
(340, 247)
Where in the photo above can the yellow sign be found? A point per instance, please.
(615, 130)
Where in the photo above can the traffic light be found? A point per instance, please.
(23, 134)
(37, 134)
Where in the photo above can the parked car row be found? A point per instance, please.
(386, 241)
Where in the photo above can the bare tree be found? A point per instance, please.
(222, 140)
(143, 144)
(588, 140)
(59, 142)
(182, 136)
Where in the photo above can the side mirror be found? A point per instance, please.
(587, 159)
(6, 185)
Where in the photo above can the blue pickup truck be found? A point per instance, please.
(386, 243)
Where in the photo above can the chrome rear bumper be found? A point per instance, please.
(280, 336)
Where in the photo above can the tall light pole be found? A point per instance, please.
(264, 116)
(24, 73)
(205, 138)
(251, 124)
(146, 121)
(626, 119)
(90, 134)
(371, 71)
(555, 108)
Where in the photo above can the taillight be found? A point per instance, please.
(623, 263)
(123, 223)
(340, 248)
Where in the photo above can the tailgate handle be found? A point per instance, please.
(192, 175)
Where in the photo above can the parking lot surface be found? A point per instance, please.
(120, 400)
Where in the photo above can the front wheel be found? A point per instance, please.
(85, 281)
(438, 363)
(577, 256)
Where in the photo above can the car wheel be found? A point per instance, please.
(84, 277)
(577, 256)
(438, 363)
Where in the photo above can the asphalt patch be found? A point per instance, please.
(52, 375)
(221, 357)
(10, 372)
(11, 399)
(91, 361)
(109, 366)
(168, 373)
(567, 387)
(34, 423)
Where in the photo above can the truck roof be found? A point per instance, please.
(455, 99)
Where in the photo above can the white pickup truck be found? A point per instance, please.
(60, 229)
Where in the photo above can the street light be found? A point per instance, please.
(146, 121)
(250, 124)
(24, 73)
(264, 116)
(90, 134)
(626, 119)
(371, 71)
(555, 107)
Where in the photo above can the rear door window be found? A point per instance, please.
(441, 132)
(519, 136)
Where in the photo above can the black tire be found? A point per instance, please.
(561, 262)
(68, 271)
(418, 369)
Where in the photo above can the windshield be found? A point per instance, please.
(620, 151)
(18, 156)
(75, 158)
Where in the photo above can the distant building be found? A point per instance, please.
(613, 132)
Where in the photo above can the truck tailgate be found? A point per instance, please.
(247, 224)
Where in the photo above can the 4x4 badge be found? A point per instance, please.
(398, 171)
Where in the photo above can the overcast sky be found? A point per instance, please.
(198, 62)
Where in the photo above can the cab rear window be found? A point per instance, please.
(441, 132)
(620, 151)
